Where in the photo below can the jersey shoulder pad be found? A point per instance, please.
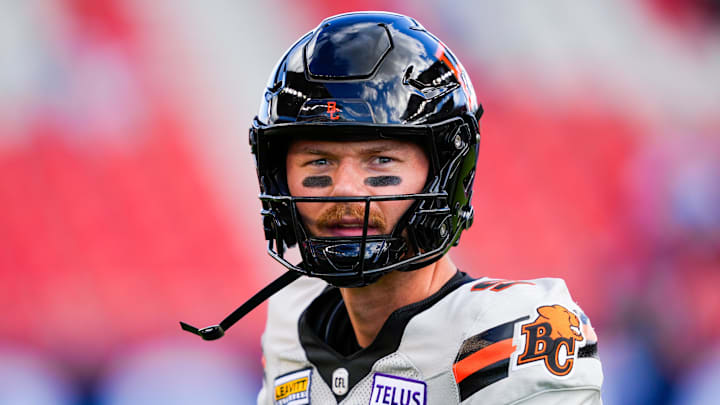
(529, 337)
(284, 310)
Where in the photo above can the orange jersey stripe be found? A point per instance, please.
(483, 358)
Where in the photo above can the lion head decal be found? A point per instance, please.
(551, 337)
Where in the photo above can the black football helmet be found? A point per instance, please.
(361, 75)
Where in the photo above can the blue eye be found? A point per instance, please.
(384, 159)
(319, 162)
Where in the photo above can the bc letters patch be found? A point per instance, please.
(392, 390)
(552, 339)
(293, 388)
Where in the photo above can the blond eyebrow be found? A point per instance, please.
(378, 149)
(313, 151)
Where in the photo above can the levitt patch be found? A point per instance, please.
(293, 388)
(389, 390)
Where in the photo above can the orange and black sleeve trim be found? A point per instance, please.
(484, 358)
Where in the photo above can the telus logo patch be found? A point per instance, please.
(391, 390)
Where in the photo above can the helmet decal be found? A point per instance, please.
(459, 71)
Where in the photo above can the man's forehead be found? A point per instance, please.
(300, 145)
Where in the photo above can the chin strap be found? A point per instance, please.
(217, 331)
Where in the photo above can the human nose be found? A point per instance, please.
(348, 181)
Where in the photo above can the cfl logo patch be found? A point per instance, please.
(340, 381)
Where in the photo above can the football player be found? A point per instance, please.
(366, 144)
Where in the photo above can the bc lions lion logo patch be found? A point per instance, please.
(552, 338)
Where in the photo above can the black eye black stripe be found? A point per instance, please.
(317, 181)
(383, 181)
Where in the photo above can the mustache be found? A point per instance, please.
(339, 212)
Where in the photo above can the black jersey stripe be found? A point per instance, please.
(484, 284)
(483, 377)
(486, 338)
(588, 351)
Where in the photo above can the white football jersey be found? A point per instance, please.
(476, 341)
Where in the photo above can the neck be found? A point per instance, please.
(369, 307)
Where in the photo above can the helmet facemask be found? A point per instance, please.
(426, 230)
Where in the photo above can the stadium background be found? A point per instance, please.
(128, 197)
